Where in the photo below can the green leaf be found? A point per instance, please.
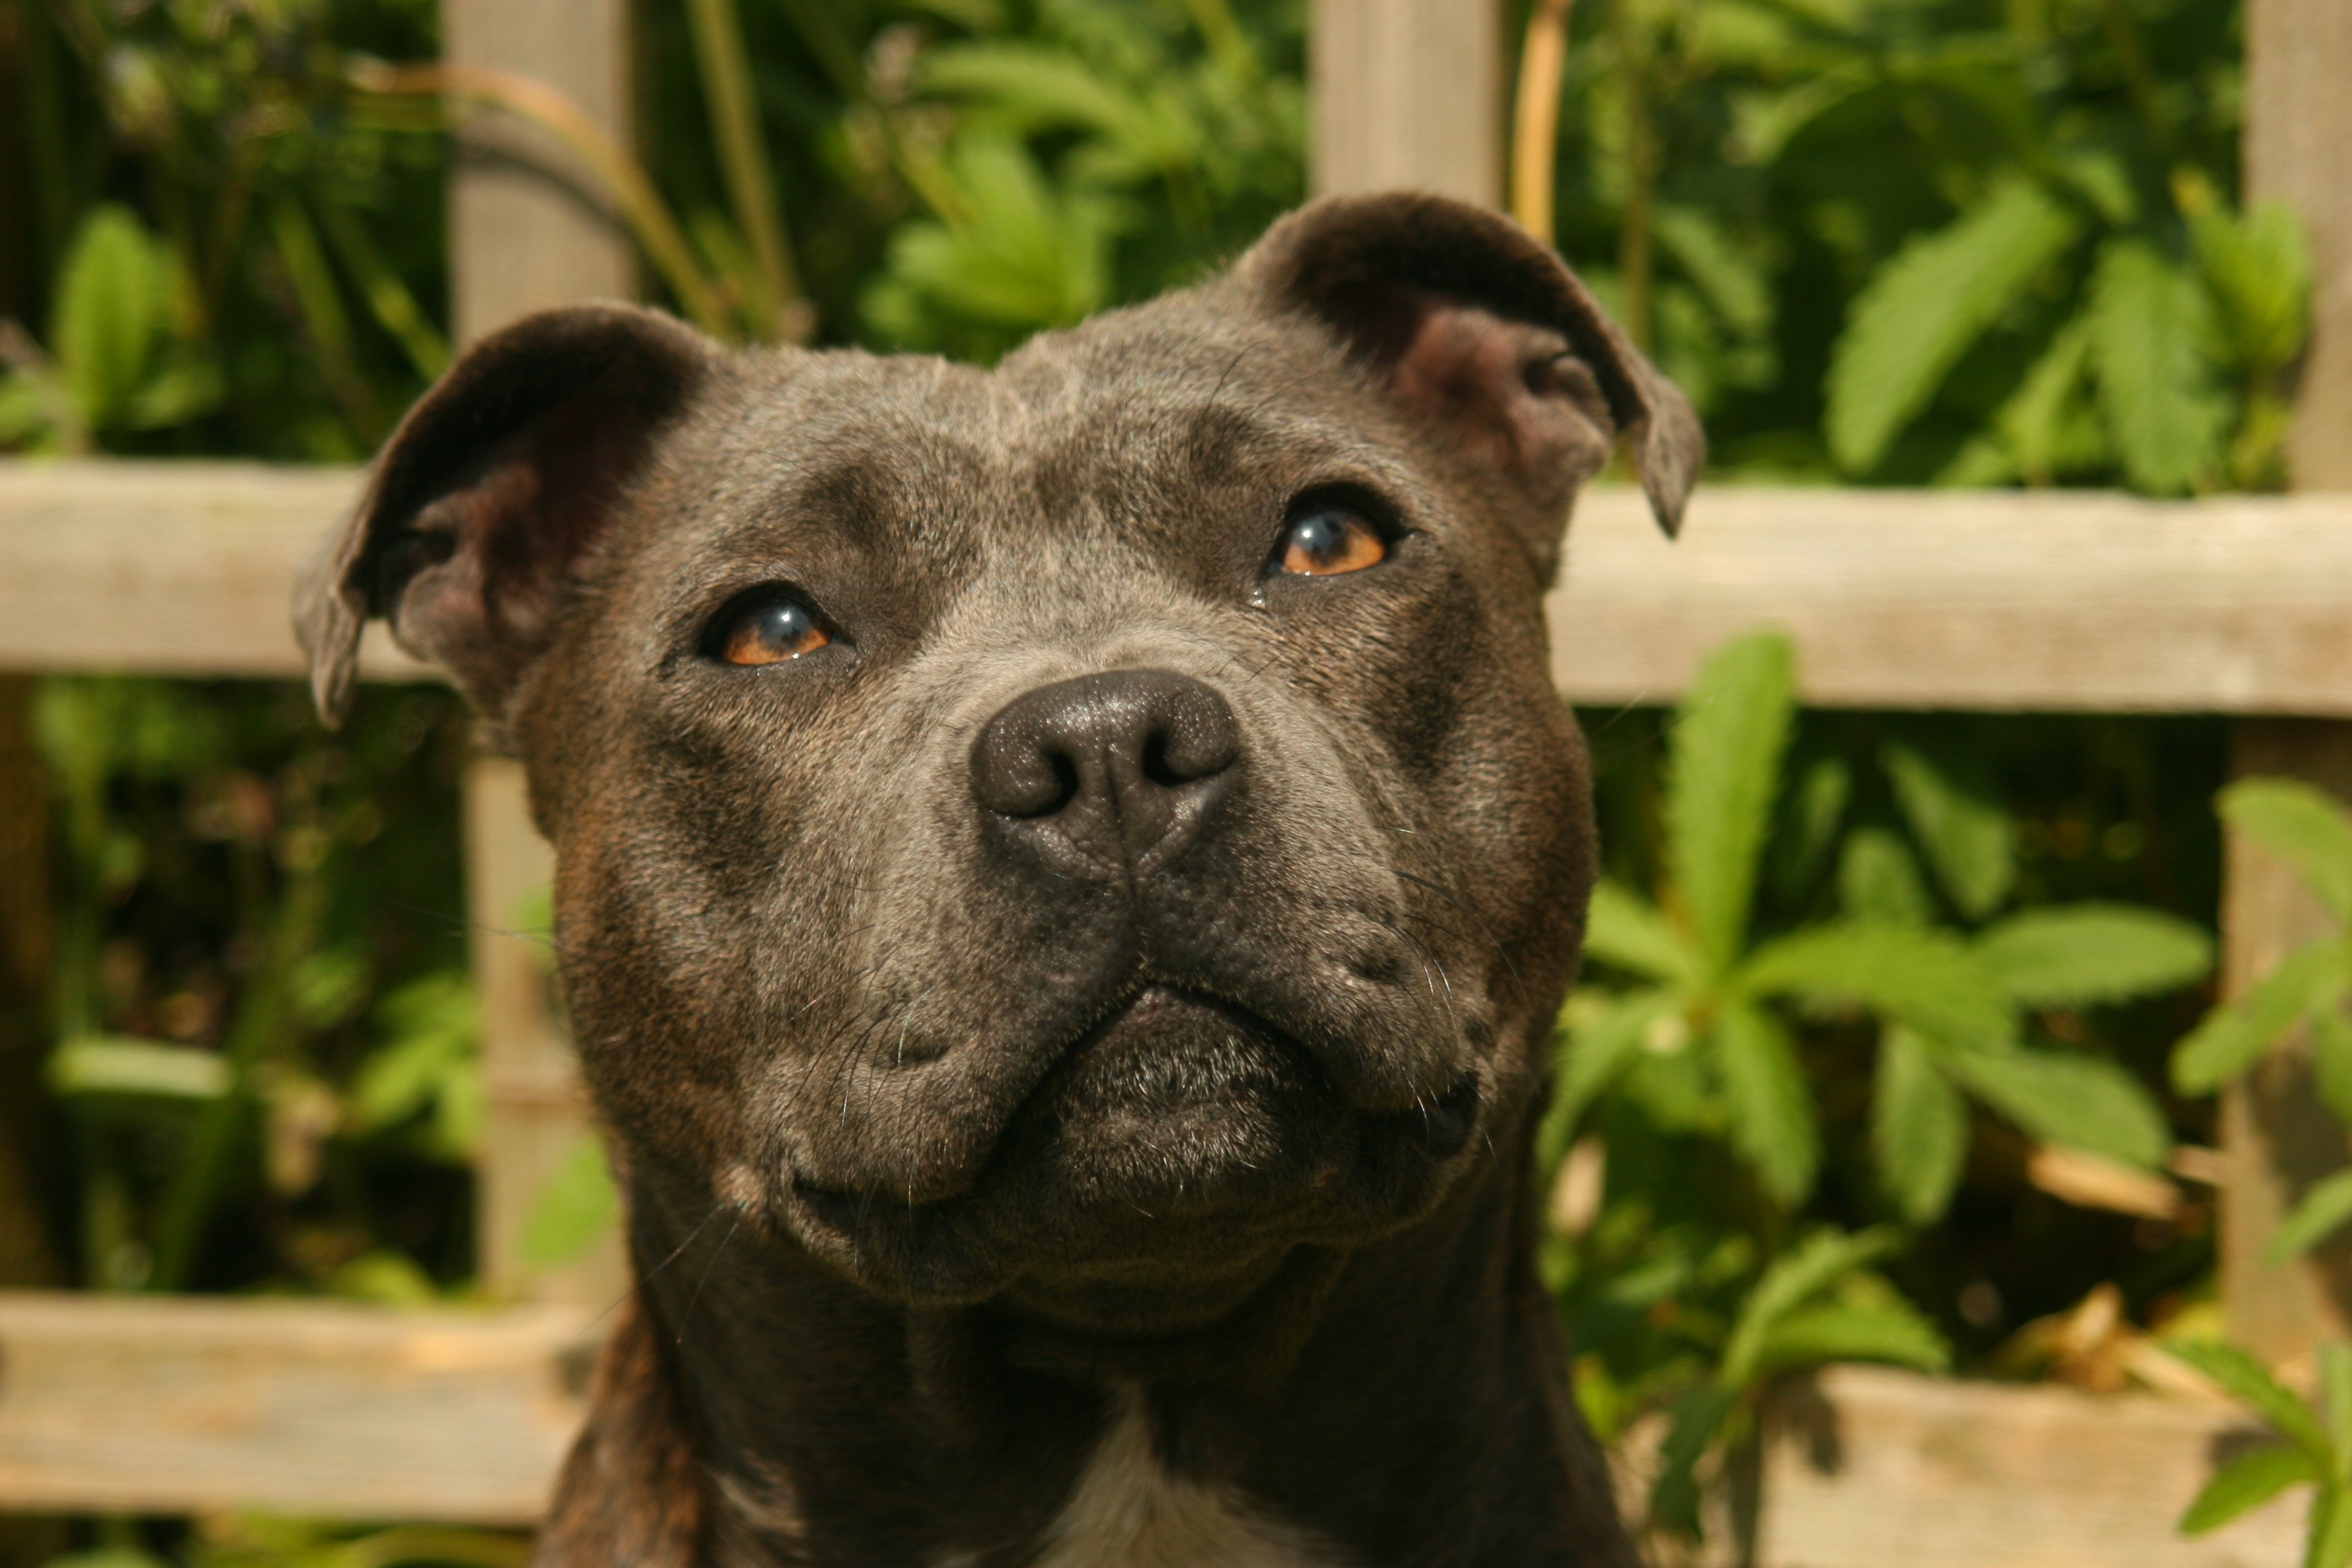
(1729, 732)
(1794, 1278)
(1892, 1332)
(1734, 284)
(426, 1064)
(1926, 306)
(2244, 1484)
(2257, 266)
(2042, 414)
(2074, 954)
(1878, 880)
(2303, 825)
(1035, 88)
(577, 1206)
(2329, 1544)
(2233, 1035)
(105, 1064)
(1923, 977)
(2331, 1058)
(1813, 809)
(112, 313)
(1770, 1104)
(1919, 1125)
(2250, 1382)
(1698, 1415)
(2150, 322)
(1625, 929)
(1593, 1051)
(2336, 1402)
(1019, 253)
(2079, 1101)
(2322, 1210)
(1969, 838)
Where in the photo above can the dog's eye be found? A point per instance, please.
(771, 630)
(1325, 538)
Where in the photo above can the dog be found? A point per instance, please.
(1065, 875)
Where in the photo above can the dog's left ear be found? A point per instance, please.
(1484, 335)
(491, 495)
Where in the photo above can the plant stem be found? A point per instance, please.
(262, 1021)
(609, 163)
(395, 308)
(750, 182)
(1214, 21)
(1535, 116)
(1634, 247)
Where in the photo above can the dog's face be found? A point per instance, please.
(1075, 832)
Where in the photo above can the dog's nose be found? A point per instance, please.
(1121, 767)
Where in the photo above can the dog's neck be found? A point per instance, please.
(1399, 1405)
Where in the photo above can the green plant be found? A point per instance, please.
(1703, 1035)
(276, 293)
(2308, 993)
(231, 903)
(2316, 1450)
(2011, 224)
(1695, 1256)
(122, 355)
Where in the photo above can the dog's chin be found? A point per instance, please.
(1164, 1168)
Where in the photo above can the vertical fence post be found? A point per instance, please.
(2278, 1137)
(526, 232)
(1406, 94)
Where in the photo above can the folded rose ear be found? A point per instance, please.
(1485, 337)
(487, 498)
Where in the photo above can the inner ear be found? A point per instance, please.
(1512, 396)
(492, 494)
(476, 573)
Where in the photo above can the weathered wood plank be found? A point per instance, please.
(1870, 1467)
(2298, 122)
(527, 228)
(172, 1404)
(170, 568)
(1406, 94)
(148, 1405)
(2054, 601)
(2003, 601)
(529, 1072)
(2278, 1135)
(526, 232)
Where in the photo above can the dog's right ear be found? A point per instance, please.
(488, 496)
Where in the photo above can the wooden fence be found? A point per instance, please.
(2006, 602)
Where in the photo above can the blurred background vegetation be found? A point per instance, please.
(1989, 242)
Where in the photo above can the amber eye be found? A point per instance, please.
(772, 629)
(1325, 538)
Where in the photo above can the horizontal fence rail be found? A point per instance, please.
(178, 1404)
(165, 1405)
(2047, 600)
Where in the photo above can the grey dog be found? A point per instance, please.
(1064, 875)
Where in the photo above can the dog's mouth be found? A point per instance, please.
(1179, 1124)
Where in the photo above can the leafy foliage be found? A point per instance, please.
(2316, 1451)
(1955, 1003)
(2310, 990)
(1712, 1067)
(2011, 225)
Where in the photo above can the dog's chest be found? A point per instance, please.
(1128, 1511)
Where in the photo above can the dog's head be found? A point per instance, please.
(1096, 823)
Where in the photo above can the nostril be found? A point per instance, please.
(1155, 763)
(1066, 782)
